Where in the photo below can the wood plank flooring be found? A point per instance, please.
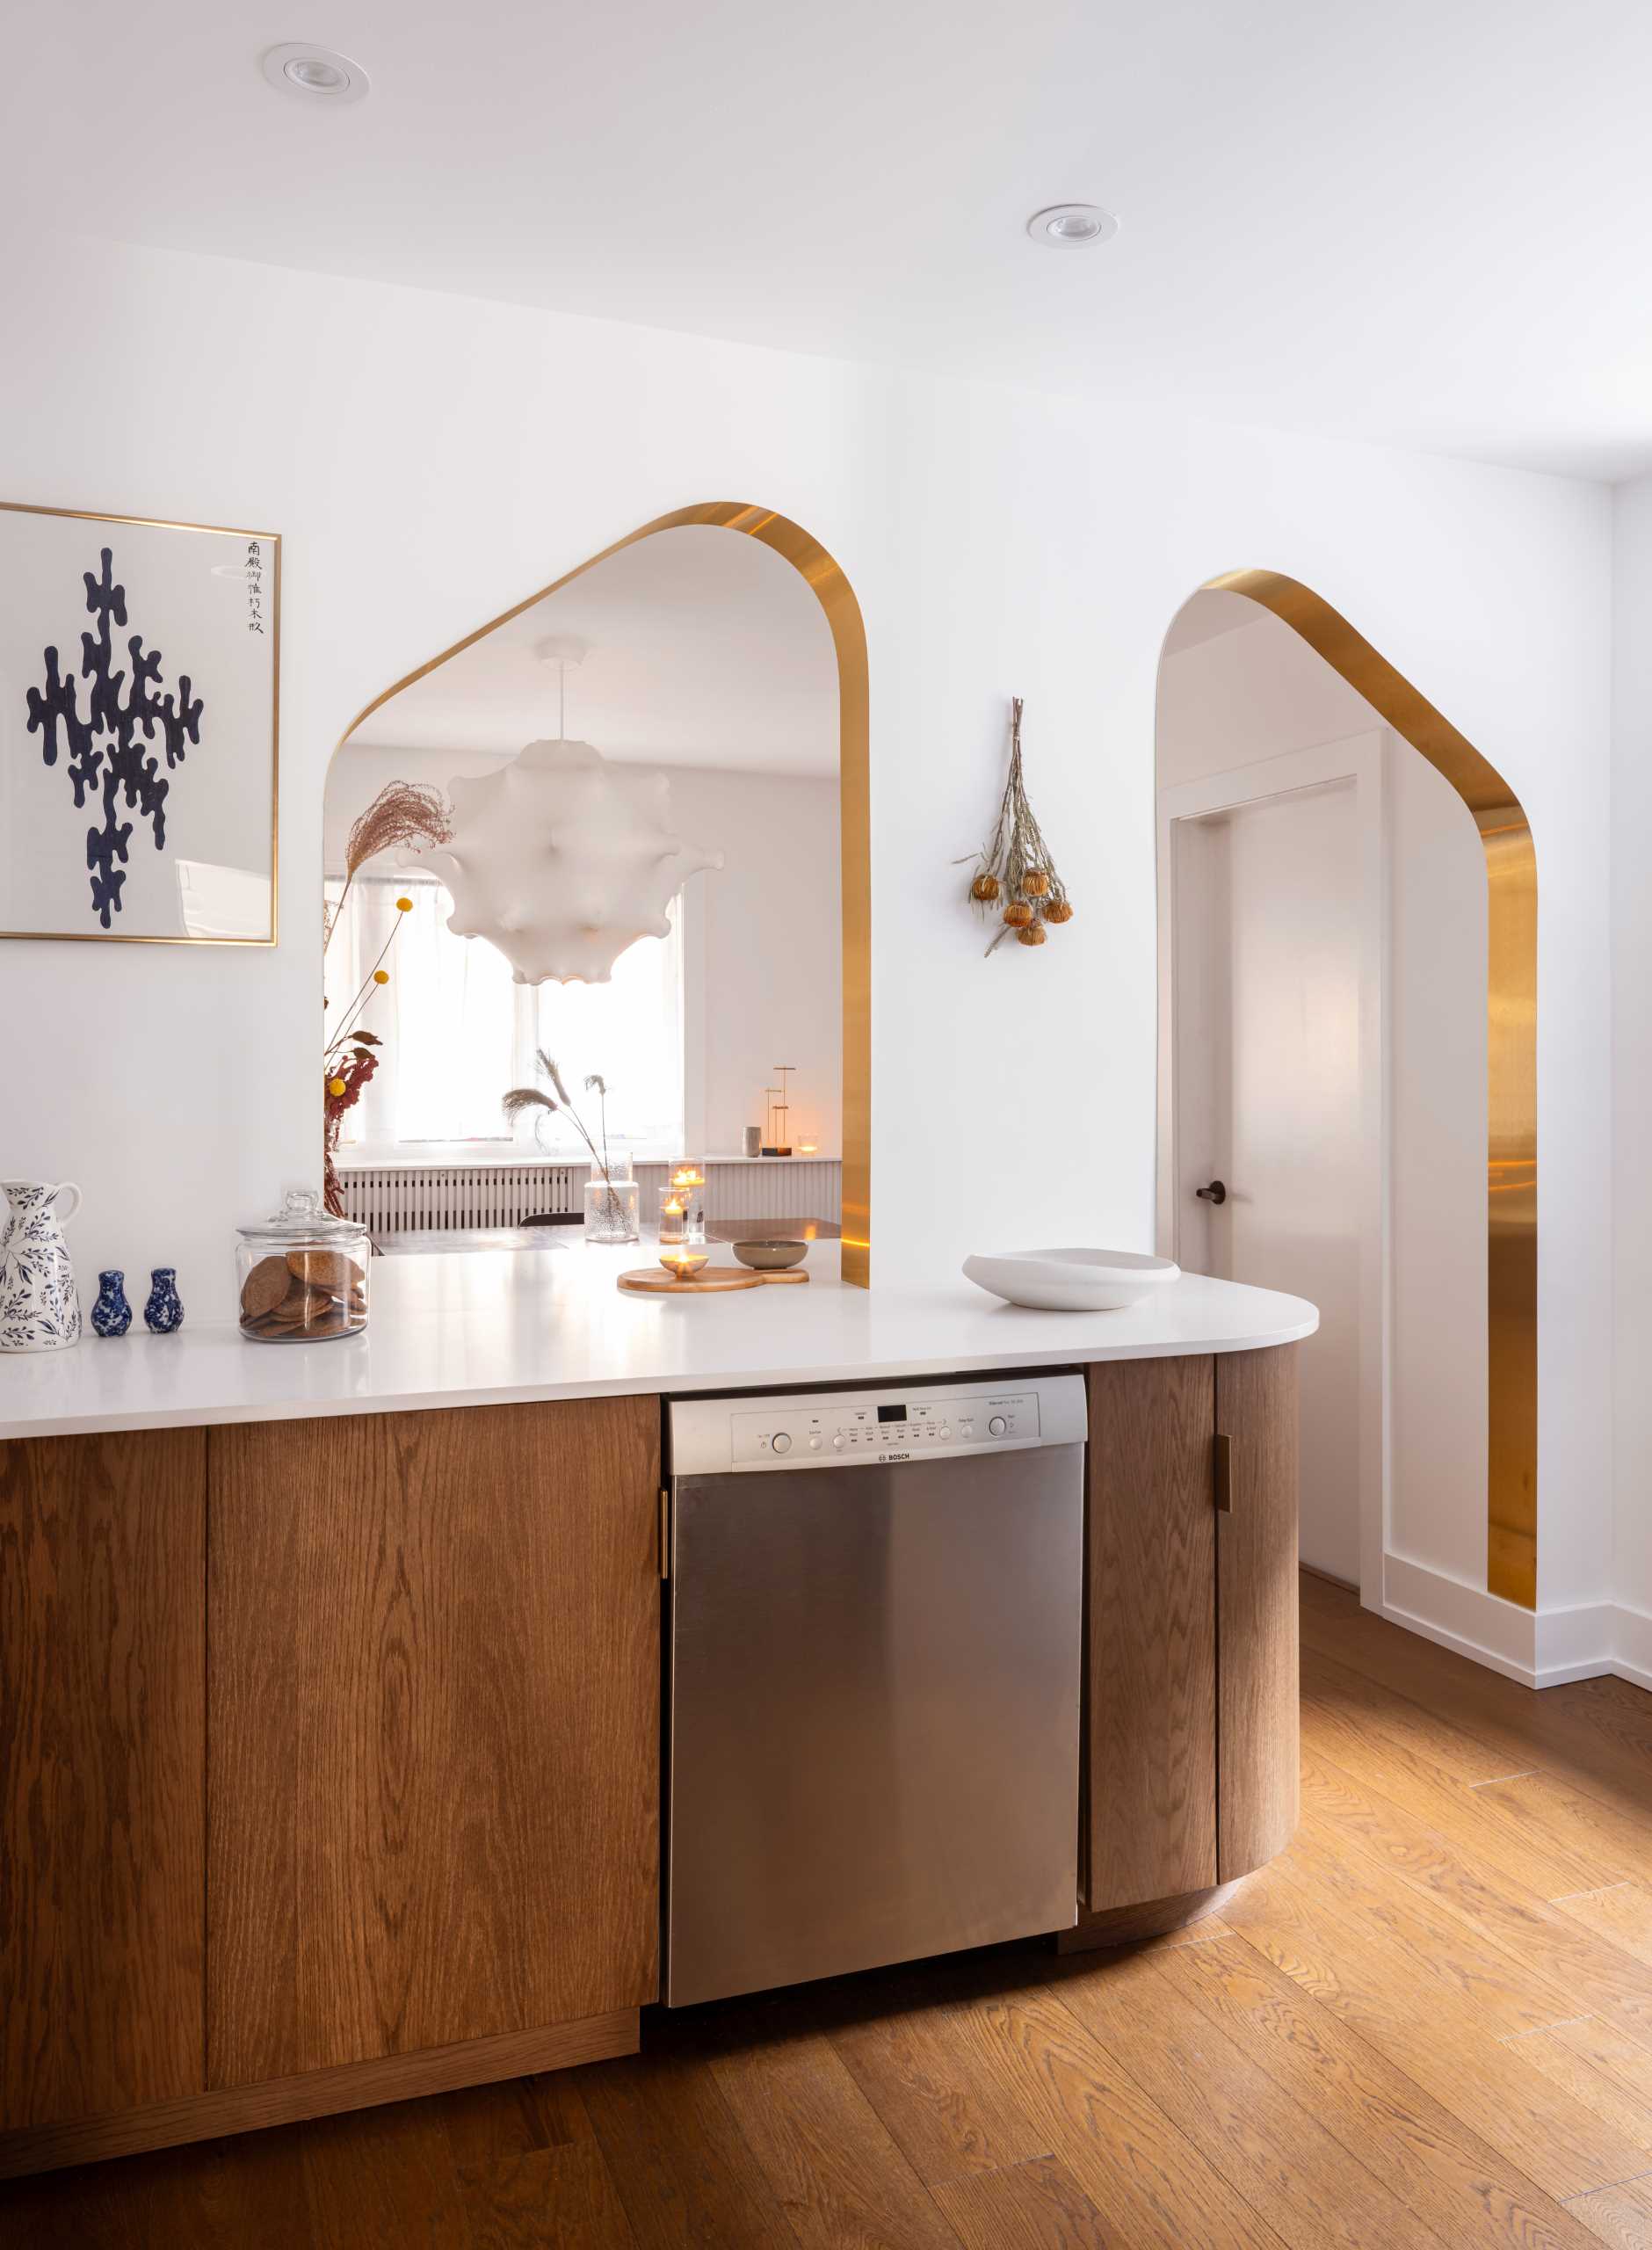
(1427, 2024)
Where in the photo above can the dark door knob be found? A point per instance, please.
(1215, 1193)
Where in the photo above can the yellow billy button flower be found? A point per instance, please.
(404, 905)
(381, 976)
(335, 1087)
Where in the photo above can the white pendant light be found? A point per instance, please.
(562, 860)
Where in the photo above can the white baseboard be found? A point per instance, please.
(1539, 1648)
(1460, 1616)
(1631, 1645)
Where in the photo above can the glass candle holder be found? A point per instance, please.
(611, 1210)
(673, 1216)
(687, 1184)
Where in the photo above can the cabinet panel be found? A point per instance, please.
(434, 1714)
(102, 1773)
(1256, 1573)
(1151, 1633)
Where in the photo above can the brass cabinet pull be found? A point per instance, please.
(1223, 1465)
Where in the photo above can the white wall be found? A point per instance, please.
(765, 931)
(1632, 1067)
(432, 459)
(1258, 693)
(762, 934)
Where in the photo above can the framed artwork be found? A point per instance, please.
(139, 698)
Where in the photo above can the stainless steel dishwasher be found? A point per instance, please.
(873, 1677)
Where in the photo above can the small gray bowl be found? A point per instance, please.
(769, 1254)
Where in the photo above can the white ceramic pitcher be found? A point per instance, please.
(40, 1306)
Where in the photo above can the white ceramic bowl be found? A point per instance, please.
(1072, 1280)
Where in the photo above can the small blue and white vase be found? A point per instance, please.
(164, 1310)
(111, 1315)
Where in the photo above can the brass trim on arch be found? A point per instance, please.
(1511, 1060)
(835, 595)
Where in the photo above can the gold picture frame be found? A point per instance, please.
(262, 621)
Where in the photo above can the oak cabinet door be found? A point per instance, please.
(103, 1759)
(1150, 1707)
(1256, 1574)
(433, 1695)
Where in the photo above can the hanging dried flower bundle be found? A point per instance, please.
(1015, 884)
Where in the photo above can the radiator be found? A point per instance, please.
(777, 1188)
(406, 1197)
(398, 1197)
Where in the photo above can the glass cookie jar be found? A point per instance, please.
(301, 1275)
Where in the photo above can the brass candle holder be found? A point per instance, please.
(780, 1113)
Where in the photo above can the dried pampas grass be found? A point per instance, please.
(404, 813)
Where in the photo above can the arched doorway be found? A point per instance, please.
(841, 612)
(1507, 854)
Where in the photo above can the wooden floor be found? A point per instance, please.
(1431, 2022)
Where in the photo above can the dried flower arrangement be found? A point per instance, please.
(402, 813)
(1015, 884)
(524, 1098)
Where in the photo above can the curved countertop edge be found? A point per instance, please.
(497, 1327)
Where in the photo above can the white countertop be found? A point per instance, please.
(481, 1327)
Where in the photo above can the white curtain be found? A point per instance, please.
(457, 1031)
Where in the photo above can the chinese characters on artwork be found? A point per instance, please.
(255, 585)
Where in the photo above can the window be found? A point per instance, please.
(458, 1030)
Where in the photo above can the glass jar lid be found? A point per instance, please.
(304, 1218)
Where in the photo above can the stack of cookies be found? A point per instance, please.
(302, 1295)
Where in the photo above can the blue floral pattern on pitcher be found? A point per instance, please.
(40, 1305)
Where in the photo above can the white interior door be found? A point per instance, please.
(1271, 1045)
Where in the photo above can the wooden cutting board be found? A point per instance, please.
(655, 1281)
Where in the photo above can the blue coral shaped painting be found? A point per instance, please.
(138, 699)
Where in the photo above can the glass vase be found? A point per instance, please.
(611, 1209)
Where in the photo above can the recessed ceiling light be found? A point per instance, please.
(316, 72)
(1072, 226)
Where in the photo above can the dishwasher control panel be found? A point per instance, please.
(914, 1427)
(897, 1423)
(844, 1429)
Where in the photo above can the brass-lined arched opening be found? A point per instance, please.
(832, 589)
(1505, 835)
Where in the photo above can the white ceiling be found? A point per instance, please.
(1423, 221)
(703, 648)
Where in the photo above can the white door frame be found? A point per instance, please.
(1358, 760)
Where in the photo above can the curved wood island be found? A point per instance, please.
(330, 1703)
